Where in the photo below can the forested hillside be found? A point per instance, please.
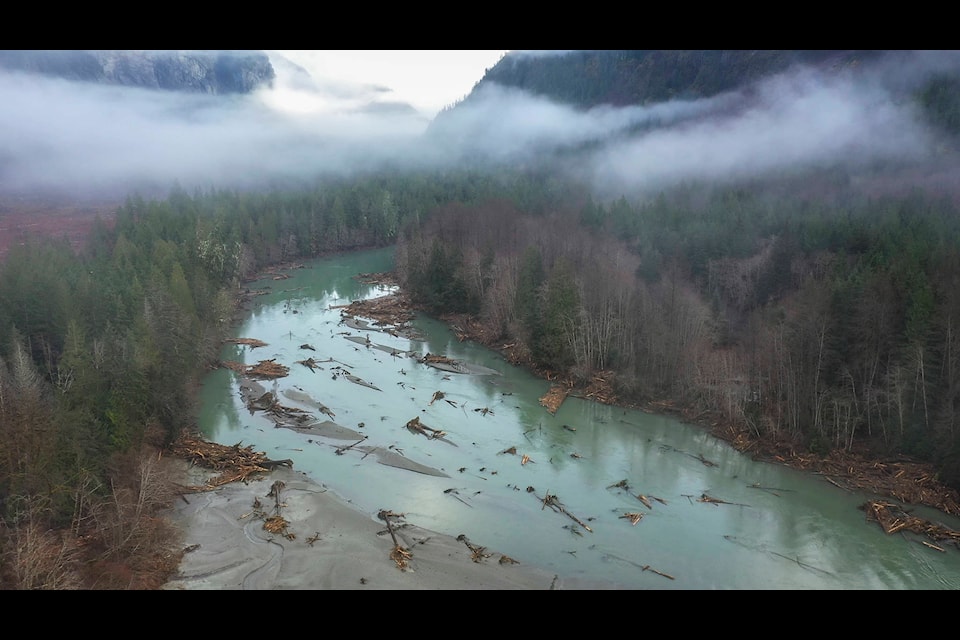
(810, 305)
(590, 78)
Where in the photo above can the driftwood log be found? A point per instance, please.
(273, 464)
(554, 503)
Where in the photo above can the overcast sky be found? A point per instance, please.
(337, 111)
(427, 80)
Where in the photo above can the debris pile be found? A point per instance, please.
(893, 519)
(386, 311)
(232, 461)
(600, 389)
(263, 369)
(555, 397)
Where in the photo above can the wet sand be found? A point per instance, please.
(328, 544)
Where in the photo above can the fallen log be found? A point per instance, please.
(715, 501)
(253, 343)
(659, 573)
(554, 503)
(415, 426)
(273, 464)
(399, 554)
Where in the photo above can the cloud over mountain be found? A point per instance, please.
(60, 134)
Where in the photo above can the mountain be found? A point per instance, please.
(637, 120)
(210, 72)
(589, 80)
(618, 78)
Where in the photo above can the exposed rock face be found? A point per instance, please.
(212, 72)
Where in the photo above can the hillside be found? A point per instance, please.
(587, 79)
(212, 72)
(573, 108)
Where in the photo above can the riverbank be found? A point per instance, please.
(898, 478)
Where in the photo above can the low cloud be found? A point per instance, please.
(71, 136)
(800, 119)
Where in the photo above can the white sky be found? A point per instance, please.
(428, 80)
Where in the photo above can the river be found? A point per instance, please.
(594, 492)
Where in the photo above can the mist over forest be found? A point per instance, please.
(85, 137)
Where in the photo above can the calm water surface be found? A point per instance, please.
(632, 485)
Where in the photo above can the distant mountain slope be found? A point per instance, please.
(561, 105)
(590, 78)
(210, 72)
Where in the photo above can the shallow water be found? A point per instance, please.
(648, 502)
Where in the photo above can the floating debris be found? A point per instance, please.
(554, 503)
(772, 490)
(363, 383)
(263, 369)
(310, 363)
(555, 397)
(253, 343)
(716, 501)
(415, 426)
(659, 573)
(892, 518)
(456, 494)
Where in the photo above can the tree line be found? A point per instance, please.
(829, 322)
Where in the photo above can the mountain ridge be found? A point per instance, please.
(215, 72)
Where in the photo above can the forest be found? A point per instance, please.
(823, 324)
(816, 308)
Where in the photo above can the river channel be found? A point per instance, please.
(636, 499)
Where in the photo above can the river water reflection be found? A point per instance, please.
(648, 502)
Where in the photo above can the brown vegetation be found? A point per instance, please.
(119, 539)
(22, 218)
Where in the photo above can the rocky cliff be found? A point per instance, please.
(211, 72)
